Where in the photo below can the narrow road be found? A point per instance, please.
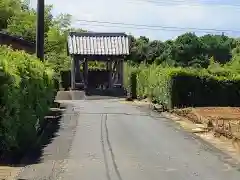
(116, 141)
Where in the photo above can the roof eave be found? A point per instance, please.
(97, 34)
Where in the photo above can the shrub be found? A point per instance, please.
(183, 87)
(26, 93)
(190, 89)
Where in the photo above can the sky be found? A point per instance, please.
(186, 15)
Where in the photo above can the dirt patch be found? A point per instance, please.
(222, 121)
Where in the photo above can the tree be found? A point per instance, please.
(63, 22)
(56, 43)
(219, 47)
(188, 49)
(8, 8)
(139, 49)
(23, 23)
(156, 49)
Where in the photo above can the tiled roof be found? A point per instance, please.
(112, 44)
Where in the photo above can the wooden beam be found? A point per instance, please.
(77, 68)
(103, 58)
(121, 72)
(118, 71)
(109, 69)
(73, 74)
(115, 72)
(85, 71)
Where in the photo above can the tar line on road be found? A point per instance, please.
(104, 129)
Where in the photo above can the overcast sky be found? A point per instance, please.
(203, 14)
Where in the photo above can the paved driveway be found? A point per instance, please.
(117, 141)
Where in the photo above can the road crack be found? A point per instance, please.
(104, 128)
(104, 150)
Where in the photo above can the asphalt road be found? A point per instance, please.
(117, 141)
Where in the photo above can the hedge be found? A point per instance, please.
(26, 93)
(194, 90)
(182, 87)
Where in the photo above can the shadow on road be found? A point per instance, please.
(50, 132)
(114, 93)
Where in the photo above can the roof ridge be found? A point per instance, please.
(98, 34)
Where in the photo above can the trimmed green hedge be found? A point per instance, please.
(182, 87)
(194, 90)
(26, 93)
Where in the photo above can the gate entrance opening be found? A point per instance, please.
(108, 48)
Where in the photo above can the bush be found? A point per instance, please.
(152, 82)
(196, 90)
(26, 93)
(183, 87)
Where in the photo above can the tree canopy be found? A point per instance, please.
(188, 49)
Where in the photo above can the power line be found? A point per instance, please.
(153, 27)
(158, 29)
(184, 3)
(130, 27)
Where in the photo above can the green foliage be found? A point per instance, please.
(26, 93)
(191, 71)
(219, 47)
(58, 62)
(187, 50)
(96, 65)
(8, 8)
(190, 89)
(215, 56)
(23, 23)
(234, 64)
(17, 18)
(177, 87)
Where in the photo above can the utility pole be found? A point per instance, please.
(40, 30)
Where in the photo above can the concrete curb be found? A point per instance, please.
(183, 122)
